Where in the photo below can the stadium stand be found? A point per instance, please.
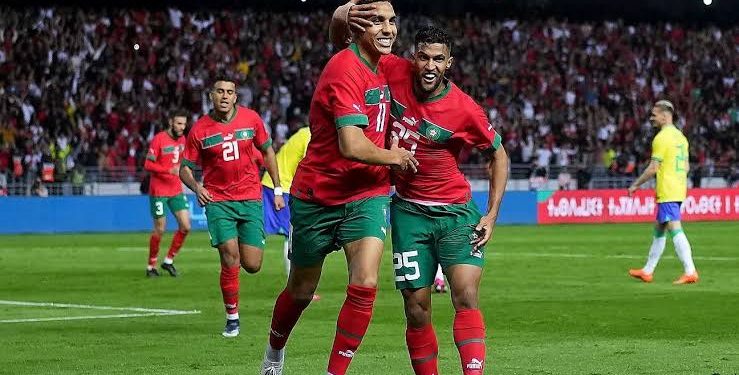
(82, 93)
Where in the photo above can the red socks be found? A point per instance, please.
(469, 336)
(177, 241)
(284, 317)
(230, 288)
(423, 349)
(354, 318)
(154, 249)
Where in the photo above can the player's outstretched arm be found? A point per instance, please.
(346, 18)
(498, 174)
(188, 179)
(270, 161)
(647, 175)
(353, 145)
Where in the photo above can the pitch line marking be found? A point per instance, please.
(141, 311)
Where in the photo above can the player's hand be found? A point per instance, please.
(632, 190)
(359, 16)
(175, 171)
(405, 159)
(483, 232)
(279, 202)
(204, 196)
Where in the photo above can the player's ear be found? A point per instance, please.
(449, 62)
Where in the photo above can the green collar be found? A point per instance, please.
(233, 114)
(355, 49)
(442, 94)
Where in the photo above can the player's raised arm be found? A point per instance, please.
(347, 18)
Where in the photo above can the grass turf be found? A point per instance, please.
(556, 300)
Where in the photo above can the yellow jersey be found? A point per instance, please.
(670, 149)
(288, 158)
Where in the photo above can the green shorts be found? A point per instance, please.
(317, 230)
(176, 203)
(426, 236)
(231, 219)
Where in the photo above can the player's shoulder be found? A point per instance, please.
(344, 65)
(461, 101)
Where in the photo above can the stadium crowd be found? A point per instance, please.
(91, 88)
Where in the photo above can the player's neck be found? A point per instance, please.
(370, 57)
(424, 96)
(171, 134)
(224, 117)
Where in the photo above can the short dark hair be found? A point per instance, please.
(433, 34)
(222, 78)
(178, 113)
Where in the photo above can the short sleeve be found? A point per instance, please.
(261, 139)
(659, 150)
(191, 155)
(480, 133)
(346, 101)
(154, 150)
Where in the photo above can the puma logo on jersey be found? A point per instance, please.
(228, 137)
(357, 107)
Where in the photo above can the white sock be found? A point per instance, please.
(439, 273)
(168, 260)
(285, 252)
(683, 251)
(232, 316)
(655, 252)
(149, 268)
(274, 355)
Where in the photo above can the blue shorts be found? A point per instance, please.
(275, 222)
(668, 211)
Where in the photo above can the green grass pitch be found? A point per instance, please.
(557, 300)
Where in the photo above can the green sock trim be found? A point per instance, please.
(675, 232)
(659, 233)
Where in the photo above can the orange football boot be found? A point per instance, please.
(641, 275)
(687, 279)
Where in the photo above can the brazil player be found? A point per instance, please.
(165, 190)
(670, 165)
(434, 221)
(221, 143)
(339, 196)
(288, 158)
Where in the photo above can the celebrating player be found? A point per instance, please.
(221, 144)
(165, 189)
(671, 165)
(339, 197)
(434, 221)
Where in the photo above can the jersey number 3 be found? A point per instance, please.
(230, 151)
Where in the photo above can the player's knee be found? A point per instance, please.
(251, 266)
(158, 230)
(466, 298)
(185, 229)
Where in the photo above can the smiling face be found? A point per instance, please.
(430, 62)
(378, 39)
(223, 96)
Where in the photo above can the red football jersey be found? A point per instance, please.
(225, 152)
(349, 93)
(436, 131)
(164, 153)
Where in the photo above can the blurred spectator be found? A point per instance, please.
(75, 91)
